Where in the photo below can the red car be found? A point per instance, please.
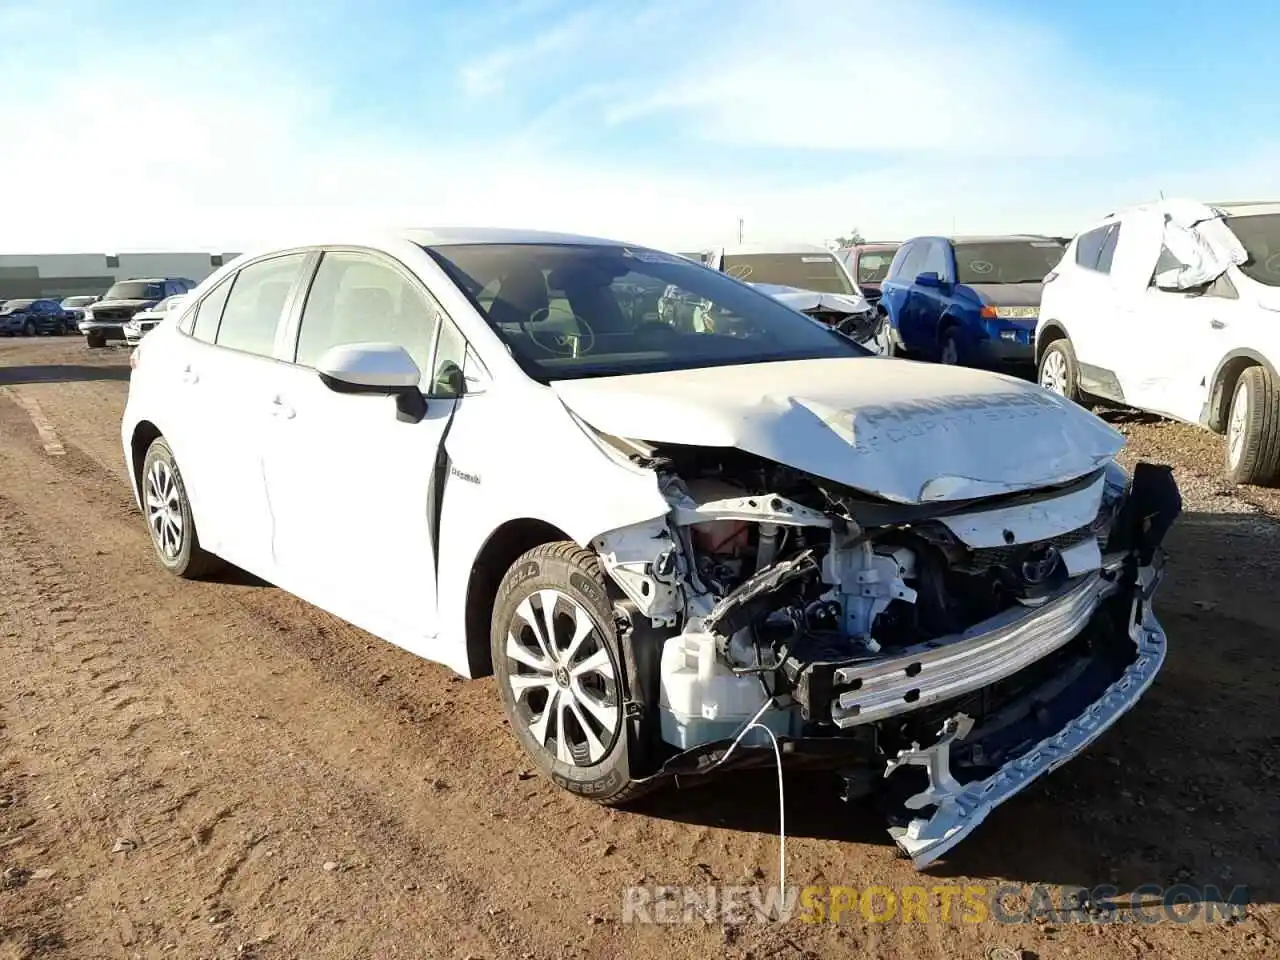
(868, 263)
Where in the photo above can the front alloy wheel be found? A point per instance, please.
(1059, 372)
(558, 661)
(563, 678)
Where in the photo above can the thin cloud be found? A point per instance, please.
(226, 138)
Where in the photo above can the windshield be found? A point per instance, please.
(77, 302)
(873, 265)
(12, 306)
(135, 290)
(1007, 261)
(568, 311)
(1260, 237)
(819, 272)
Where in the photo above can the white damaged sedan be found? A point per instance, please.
(489, 448)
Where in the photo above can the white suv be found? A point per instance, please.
(1174, 307)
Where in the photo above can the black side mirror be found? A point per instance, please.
(930, 279)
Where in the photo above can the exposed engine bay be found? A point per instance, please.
(858, 628)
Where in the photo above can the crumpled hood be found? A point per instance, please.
(905, 431)
(806, 300)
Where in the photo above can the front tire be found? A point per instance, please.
(1253, 430)
(949, 348)
(168, 511)
(560, 670)
(29, 328)
(95, 340)
(1059, 372)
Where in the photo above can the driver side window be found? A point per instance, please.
(359, 298)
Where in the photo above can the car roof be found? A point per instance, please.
(1248, 208)
(443, 236)
(999, 237)
(747, 249)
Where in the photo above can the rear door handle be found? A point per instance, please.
(281, 409)
(189, 375)
(1217, 324)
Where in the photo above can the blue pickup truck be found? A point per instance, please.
(971, 301)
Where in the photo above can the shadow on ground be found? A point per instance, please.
(59, 373)
(1185, 789)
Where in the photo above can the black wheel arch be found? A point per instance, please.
(1223, 385)
(505, 545)
(144, 434)
(1048, 332)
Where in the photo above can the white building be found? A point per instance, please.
(59, 275)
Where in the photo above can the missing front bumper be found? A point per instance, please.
(958, 808)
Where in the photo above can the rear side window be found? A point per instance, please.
(1108, 252)
(1095, 248)
(204, 326)
(257, 300)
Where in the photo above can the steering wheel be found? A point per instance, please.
(560, 345)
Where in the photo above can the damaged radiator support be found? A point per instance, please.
(1004, 635)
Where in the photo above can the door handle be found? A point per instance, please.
(281, 409)
(1217, 324)
(189, 375)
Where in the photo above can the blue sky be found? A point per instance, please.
(213, 125)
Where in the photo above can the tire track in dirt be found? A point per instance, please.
(489, 818)
(87, 667)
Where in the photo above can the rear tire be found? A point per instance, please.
(562, 677)
(1058, 371)
(29, 328)
(1253, 430)
(167, 510)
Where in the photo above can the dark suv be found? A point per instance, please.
(30, 317)
(105, 319)
(966, 300)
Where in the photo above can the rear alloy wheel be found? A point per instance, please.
(168, 513)
(29, 328)
(1058, 370)
(559, 667)
(1253, 430)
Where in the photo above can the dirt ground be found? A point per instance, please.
(220, 770)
